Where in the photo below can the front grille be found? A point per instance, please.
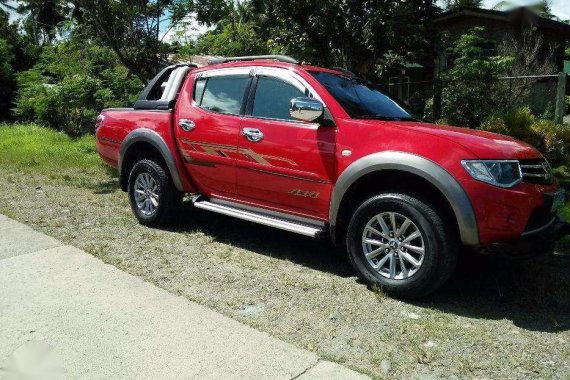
(537, 171)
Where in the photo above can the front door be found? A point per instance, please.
(207, 127)
(284, 164)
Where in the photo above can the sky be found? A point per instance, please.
(560, 8)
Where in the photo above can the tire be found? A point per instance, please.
(161, 200)
(440, 245)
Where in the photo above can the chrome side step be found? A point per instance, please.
(277, 221)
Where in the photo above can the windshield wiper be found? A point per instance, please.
(384, 118)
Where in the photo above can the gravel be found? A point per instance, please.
(496, 318)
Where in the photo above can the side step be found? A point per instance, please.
(253, 215)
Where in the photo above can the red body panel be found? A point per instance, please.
(118, 123)
(296, 166)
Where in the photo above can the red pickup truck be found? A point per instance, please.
(320, 152)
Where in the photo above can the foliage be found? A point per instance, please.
(336, 32)
(228, 40)
(71, 83)
(552, 139)
(456, 4)
(465, 99)
(131, 28)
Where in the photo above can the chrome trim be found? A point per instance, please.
(292, 123)
(186, 125)
(306, 109)
(267, 220)
(411, 163)
(272, 213)
(153, 138)
(252, 134)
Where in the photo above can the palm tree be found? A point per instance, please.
(41, 16)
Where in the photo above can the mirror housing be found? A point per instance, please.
(306, 109)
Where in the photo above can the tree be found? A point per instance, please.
(131, 28)
(456, 4)
(17, 53)
(71, 82)
(41, 18)
(354, 34)
(468, 98)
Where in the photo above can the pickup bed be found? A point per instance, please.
(322, 153)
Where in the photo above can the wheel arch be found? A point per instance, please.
(413, 167)
(145, 143)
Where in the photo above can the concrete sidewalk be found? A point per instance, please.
(64, 311)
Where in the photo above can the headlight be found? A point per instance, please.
(502, 173)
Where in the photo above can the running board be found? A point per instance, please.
(302, 228)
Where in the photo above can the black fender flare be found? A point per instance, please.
(151, 137)
(420, 166)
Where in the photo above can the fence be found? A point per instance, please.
(544, 94)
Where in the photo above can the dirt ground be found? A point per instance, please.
(497, 318)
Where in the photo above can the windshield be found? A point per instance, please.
(359, 99)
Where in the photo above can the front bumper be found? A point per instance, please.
(536, 242)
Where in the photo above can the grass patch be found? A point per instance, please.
(38, 150)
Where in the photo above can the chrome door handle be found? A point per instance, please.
(186, 124)
(252, 134)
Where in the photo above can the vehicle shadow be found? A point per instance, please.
(531, 292)
(319, 254)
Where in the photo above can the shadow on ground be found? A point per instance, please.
(531, 292)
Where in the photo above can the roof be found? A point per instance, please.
(505, 16)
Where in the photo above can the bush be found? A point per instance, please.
(71, 83)
(495, 124)
(551, 139)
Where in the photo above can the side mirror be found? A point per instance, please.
(306, 109)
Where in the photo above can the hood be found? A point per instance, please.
(484, 145)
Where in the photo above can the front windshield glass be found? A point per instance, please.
(359, 99)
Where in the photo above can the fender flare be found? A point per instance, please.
(154, 139)
(420, 166)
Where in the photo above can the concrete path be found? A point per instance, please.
(67, 314)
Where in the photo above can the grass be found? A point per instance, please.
(496, 318)
(34, 149)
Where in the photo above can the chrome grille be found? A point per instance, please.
(536, 171)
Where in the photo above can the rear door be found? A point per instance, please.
(284, 164)
(207, 125)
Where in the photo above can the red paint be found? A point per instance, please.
(297, 159)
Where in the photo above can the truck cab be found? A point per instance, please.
(320, 152)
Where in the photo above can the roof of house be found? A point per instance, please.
(505, 16)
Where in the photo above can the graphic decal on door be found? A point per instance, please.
(226, 150)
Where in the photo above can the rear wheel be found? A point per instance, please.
(400, 243)
(153, 197)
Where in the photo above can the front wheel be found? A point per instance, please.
(400, 243)
(153, 197)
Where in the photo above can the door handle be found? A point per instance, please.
(186, 125)
(253, 134)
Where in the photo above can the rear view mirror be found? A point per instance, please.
(306, 109)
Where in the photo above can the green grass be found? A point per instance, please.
(29, 148)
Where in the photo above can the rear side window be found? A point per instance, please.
(272, 98)
(223, 94)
